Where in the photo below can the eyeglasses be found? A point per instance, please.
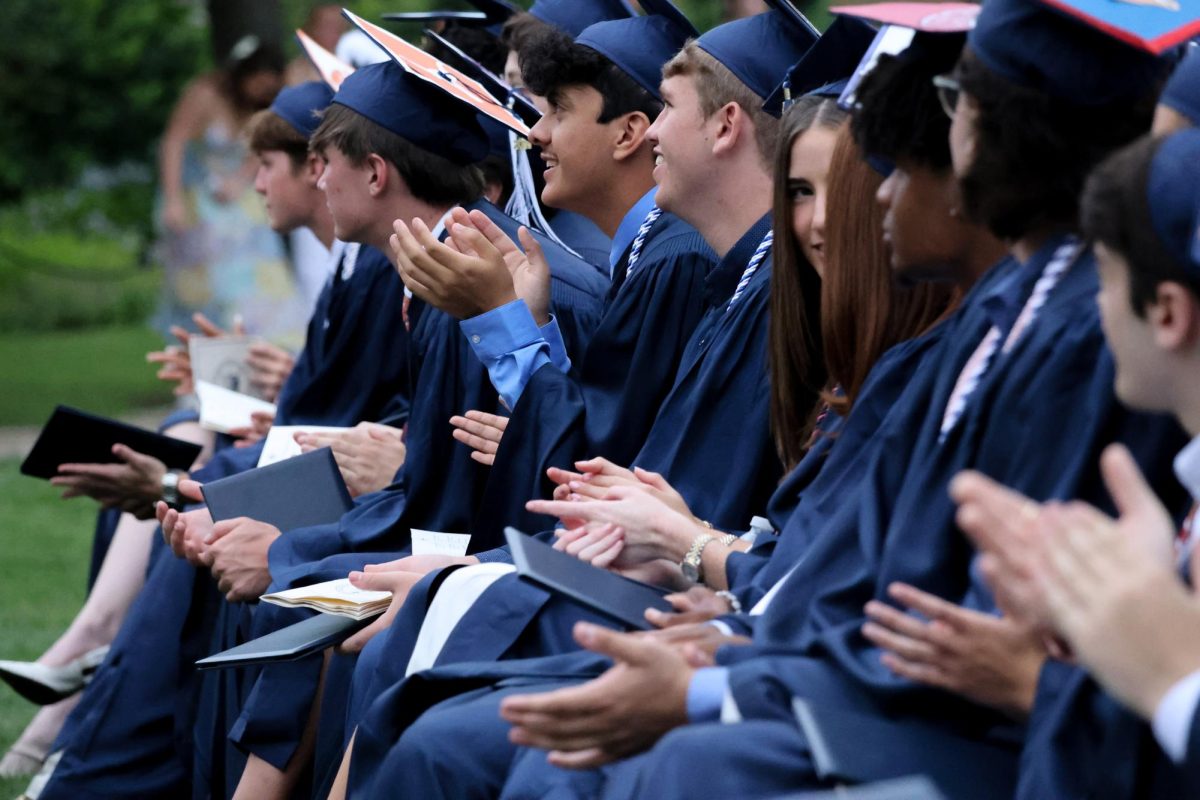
(948, 90)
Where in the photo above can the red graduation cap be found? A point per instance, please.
(1151, 25)
(417, 62)
(331, 68)
(924, 17)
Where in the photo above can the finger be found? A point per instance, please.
(496, 421)
(617, 646)
(374, 581)
(904, 624)
(181, 333)
(606, 558)
(134, 458)
(495, 236)
(478, 429)
(532, 248)
(223, 528)
(563, 537)
(359, 640)
(562, 477)
(911, 649)
(914, 671)
(476, 443)
(191, 489)
(588, 758)
(487, 459)
(583, 509)
(1125, 482)
(207, 326)
(590, 490)
(931, 605)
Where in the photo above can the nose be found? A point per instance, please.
(539, 134)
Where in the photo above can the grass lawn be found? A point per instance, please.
(45, 545)
(101, 370)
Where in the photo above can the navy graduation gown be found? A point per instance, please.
(608, 407)
(584, 237)
(1037, 422)
(355, 367)
(437, 488)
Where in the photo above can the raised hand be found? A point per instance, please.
(990, 660)
(481, 432)
(133, 484)
(368, 455)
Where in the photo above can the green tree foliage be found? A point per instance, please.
(88, 82)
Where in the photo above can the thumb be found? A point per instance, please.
(606, 642)
(239, 325)
(191, 490)
(533, 249)
(651, 478)
(1128, 488)
(372, 581)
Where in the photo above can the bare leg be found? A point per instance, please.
(341, 781)
(262, 780)
(121, 577)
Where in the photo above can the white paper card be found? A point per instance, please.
(281, 441)
(340, 590)
(222, 410)
(436, 543)
(222, 361)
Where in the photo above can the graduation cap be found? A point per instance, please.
(640, 46)
(300, 106)
(423, 66)
(331, 68)
(572, 16)
(904, 26)
(1152, 25)
(1182, 92)
(412, 108)
(1077, 58)
(827, 67)
(491, 18)
(495, 85)
(1173, 194)
(758, 50)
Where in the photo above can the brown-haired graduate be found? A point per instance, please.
(1021, 389)
(714, 148)
(1120, 592)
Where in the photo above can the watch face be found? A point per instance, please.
(690, 572)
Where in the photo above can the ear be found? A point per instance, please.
(730, 125)
(377, 174)
(313, 168)
(631, 133)
(1175, 317)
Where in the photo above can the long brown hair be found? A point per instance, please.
(864, 311)
(794, 336)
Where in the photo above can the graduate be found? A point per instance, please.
(383, 108)
(1112, 588)
(806, 639)
(339, 333)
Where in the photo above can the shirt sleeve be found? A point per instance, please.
(509, 343)
(706, 694)
(1172, 720)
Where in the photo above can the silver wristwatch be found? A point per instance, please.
(692, 566)
(170, 487)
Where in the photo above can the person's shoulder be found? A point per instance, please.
(672, 238)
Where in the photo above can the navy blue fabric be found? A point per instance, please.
(642, 45)
(437, 489)
(130, 735)
(1043, 49)
(408, 106)
(1182, 91)
(1037, 421)
(301, 106)
(354, 365)
(623, 379)
(832, 59)
(573, 16)
(584, 237)
(758, 50)
(1173, 195)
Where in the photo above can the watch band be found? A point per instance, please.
(692, 565)
(729, 539)
(729, 597)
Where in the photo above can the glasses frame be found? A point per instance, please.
(948, 91)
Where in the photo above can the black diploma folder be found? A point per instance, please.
(607, 593)
(296, 493)
(72, 436)
(288, 644)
